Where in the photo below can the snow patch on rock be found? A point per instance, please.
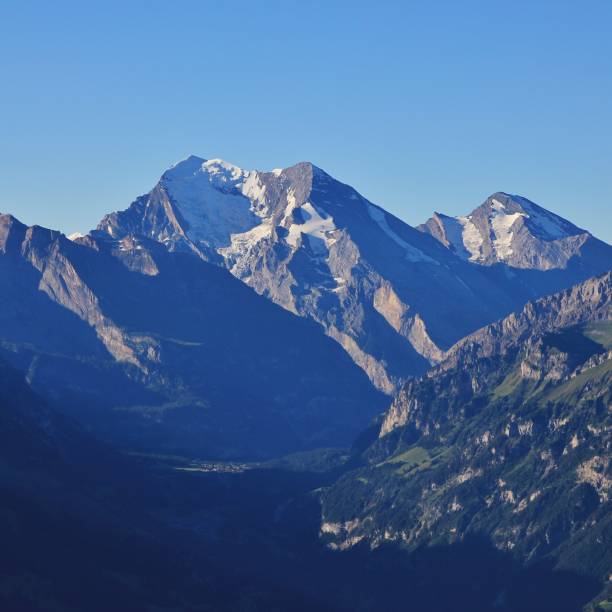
(471, 239)
(318, 229)
(502, 223)
(210, 198)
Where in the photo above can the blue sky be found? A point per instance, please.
(421, 106)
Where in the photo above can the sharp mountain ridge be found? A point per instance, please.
(169, 352)
(395, 298)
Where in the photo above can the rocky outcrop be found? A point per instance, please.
(508, 436)
(590, 301)
(172, 351)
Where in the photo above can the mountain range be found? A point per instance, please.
(153, 319)
(394, 297)
(259, 390)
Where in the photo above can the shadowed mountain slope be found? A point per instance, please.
(163, 351)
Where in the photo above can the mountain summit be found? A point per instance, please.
(513, 230)
(395, 298)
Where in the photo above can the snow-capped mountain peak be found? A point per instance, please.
(309, 242)
(217, 171)
(186, 166)
(214, 199)
(542, 222)
(508, 229)
(393, 297)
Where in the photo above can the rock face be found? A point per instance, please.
(588, 302)
(513, 230)
(508, 436)
(391, 296)
(161, 350)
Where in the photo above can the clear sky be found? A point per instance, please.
(421, 106)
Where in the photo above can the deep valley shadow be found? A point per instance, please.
(273, 531)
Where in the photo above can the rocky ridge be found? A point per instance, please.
(510, 437)
(393, 297)
(170, 351)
